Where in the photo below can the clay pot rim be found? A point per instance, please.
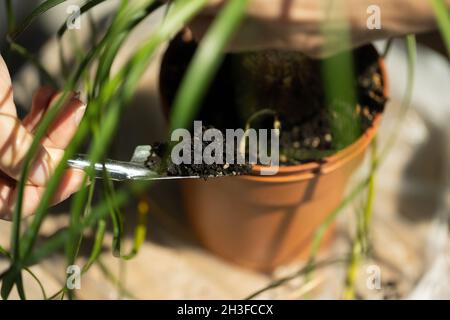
(328, 164)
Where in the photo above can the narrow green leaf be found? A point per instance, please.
(139, 237)
(41, 286)
(339, 82)
(20, 288)
(116, 215)
(443, 19)
(411, 52)
(4, 252)
(85, 8)
(9, 278)
(42, 8)
(205, 64)
(181, 14)
(10, 15)
(375, 163)
(22, 51)
(97, 249)
(101, 211)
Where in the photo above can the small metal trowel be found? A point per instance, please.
(135, 169)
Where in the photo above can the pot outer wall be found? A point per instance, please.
(264, 222)
(261, 222)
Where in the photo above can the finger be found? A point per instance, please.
(41, 101)
(15, 141)
(66, 123)
(6, 94)
(70, 183)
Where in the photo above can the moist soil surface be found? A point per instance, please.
(160, 162)
(287, 83)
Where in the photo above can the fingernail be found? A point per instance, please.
(79, 115)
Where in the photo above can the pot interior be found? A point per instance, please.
(287, 83)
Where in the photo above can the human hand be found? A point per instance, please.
(16, 137)
(301, 24)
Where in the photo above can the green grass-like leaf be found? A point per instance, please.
(85, 8)
(23, 52)
(443, 19)
(97, 249)
(375, 163)
(339, 82)
(205, 64)
(10, 15)
(116, 92)
(36, 13)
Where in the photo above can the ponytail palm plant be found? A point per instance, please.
(108, 96)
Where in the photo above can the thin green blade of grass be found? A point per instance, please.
(84, 8)
(41, 9)
(368, 210)
(352, 270)
(116, 215)
(97, 248)
(205, 64)
(180, 16)
(10, 15)
(124, 29)
(55, 242)
(387, 48)
(443, 19)
(50, 116)
(4, 252)
(11, 277)
(120, 23)
(23, 52)
(73, 246)
(14, 272)
(113, 279)
(340, 90)
(70, 150)
(182, 13)
(301, 272)
(340, 96)
(62, 61)
(52, 185)
(36, 278)
(31, 232)
(79, 202)
(128, 90)
(100, 211)
(411, 55)
(320, 232)
(139, 236)
(360, 242)
(20, 288)
(55, 295)
(8, 280)
(93, 257)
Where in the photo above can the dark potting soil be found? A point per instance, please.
(160, 161)
(288, 83)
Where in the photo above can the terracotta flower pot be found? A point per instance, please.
(262, 222)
